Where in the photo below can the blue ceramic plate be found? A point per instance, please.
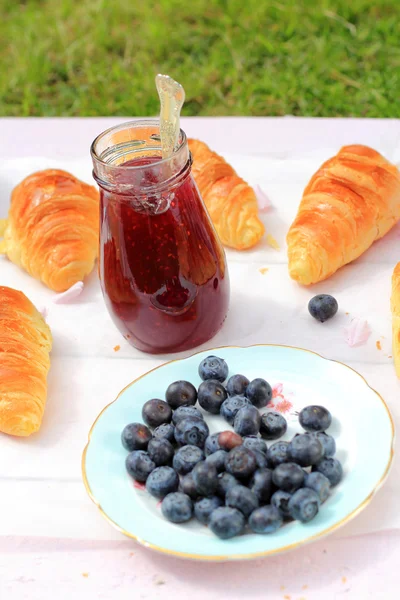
(299, 378)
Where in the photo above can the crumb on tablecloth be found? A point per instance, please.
(305, 587)
(378, 345)
(263, 270)
(344, 579)
(85, 574)
(116, 348)
(271, 241)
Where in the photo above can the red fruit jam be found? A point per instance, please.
(162, 267)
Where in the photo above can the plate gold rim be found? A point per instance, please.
(247, 556)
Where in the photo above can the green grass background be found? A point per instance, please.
(234, 57)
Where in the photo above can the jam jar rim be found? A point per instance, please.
(135, 123)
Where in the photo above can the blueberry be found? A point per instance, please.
(259, 392)
(186, 458)
(187, 486)
(165, 431)
(177, 507)
(319, 483)
(139, 465)
(231, 406)
(323, 307)
(241, 462)
(303, 505)
(211, 396)
(135, 436)
(255, 443)
(205, 477)
(266, 519)
(331, 468)
(273, 425)
(183, 412)
(156, 412)
(280, 500)
(243, 499)
(315, 418)
(211, 445)
(181, 393)
(229, 440)
(236, 385)
(247, 421)
(191, 430)
(261, 485)
(205, 506)
(288, 477)
(278, 453)
(305, 450)
(261, 459)
(226, 522)
(327, 441)
(226, 481)
(160, 451)
(213, 367)
(218, 460)
(162, 481)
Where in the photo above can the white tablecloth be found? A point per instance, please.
(45, 510)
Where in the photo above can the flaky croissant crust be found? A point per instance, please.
(52, 228)
(350, 202)
(25, 344)
(230, 201)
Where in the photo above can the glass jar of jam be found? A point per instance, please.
(162, 267)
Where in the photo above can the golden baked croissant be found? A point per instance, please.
(52, 229)
(395, 306)
(25, 344)
(231, 202)
(350, 202)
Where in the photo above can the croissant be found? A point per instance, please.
(395, 306)
(25, 344)
(231, 202)
(351, 201)
(52, 229)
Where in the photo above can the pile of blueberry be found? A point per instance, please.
(231, 478)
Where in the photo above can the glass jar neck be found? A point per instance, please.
(127, 159)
